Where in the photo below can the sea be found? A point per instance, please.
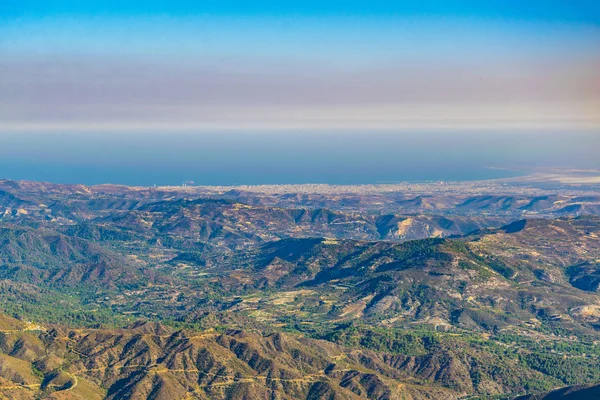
(289, 157)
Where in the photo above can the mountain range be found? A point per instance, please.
(173, 293)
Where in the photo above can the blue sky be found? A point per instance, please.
(198, 64)
(575, 11)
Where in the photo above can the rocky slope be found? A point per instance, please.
(150, 361)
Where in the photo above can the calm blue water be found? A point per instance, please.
(226, 158)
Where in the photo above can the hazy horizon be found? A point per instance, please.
(132, 65)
